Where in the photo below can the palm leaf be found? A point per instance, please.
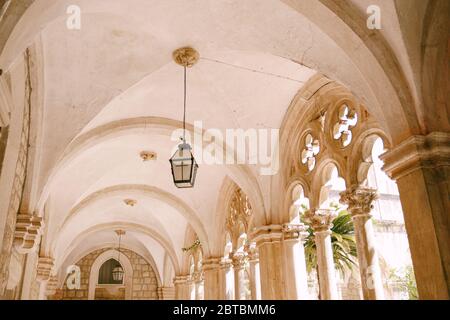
(342, 241)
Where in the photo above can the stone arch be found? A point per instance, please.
(155, 125)
(102, 258)
(325, 168)
(126, 226)
(149, 191)
(147, 256)
(361, 158)
(228, 188)
(295, 191)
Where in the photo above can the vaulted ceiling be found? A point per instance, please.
(111, 91)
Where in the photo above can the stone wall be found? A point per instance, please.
(144, 286)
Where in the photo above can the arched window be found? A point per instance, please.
(105, 273)
(300, 204)
(228, 246)
(333, 185)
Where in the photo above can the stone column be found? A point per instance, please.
(269, 242)
(191, 289)
(166, 293)
(239, 275)
(359, 201)
(226, 280)
(211, 275)
(296, 277)
(255, 279)
(421, 167)
(320, 221)
(182, 290)
(199, 286)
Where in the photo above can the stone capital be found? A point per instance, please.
(359, 200)
(239, 259)
(417, 152)
(294, 231)
(211, 263)
(267, 234)
(252, 252)
(197, 277)
(183, 279)
(320, 220)
(44, 268)
(27, 232)
(226, 264)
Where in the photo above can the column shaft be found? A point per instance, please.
(321, 222)
(295, 265)
(226, 280)
(359, 201)
(255, 279)
(269, 242)
(421, 167)
(212, 283)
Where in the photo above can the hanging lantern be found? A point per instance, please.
(117, 274)
(184, 166)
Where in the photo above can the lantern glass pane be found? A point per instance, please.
(184, 167)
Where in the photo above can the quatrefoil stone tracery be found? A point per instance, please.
(342, 129)
(309, 153)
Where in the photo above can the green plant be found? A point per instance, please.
(405, 280)
(342, 241)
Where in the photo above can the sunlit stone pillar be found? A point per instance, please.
(359, 201)
(226, 280)
(269, 242)
(211, 274)
(255, 280)
(199, 286)
(239, 275)
(320, 221)
(182, 288)
(421, 167)
(191, 289)
(296, 277)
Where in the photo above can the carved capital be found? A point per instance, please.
(359, 200)
(417, 152)
(44, 268)
(179, 280)
(267, 234)
(226, 264)
(197, 276)
(27, 233)
(294, 231)
(212, 263)
(252, 252)
(239, 260)
(320, 219)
